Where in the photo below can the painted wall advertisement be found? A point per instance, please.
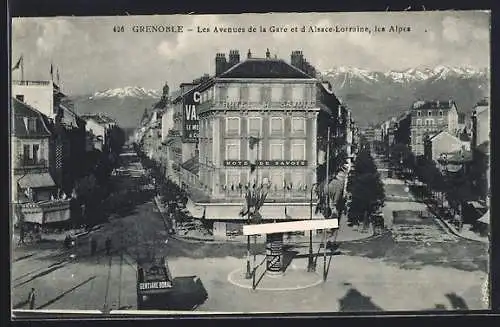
(190, 117)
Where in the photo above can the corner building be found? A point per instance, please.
(279, 104)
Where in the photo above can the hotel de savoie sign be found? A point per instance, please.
(266, 163)
(264, 105)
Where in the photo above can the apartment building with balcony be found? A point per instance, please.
(68, 136)
(289, 111)
(34, 193)
(430, 117)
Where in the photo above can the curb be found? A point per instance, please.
(194, 240)
(275, 289)
(451, 229)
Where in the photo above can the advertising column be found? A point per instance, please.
(274, 253)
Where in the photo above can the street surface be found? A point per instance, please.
(418, 265)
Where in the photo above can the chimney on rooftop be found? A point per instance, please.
(268, 54)
(249, 54)
(296, 59)
(234, 58)
(220, 63)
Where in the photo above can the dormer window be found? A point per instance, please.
(429, 113)
(418, 113)
(440, 112)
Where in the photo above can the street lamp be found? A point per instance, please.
(310, 265)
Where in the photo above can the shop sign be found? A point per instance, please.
(155, 285)
(265, 105)
(190, 117)
(266, 163)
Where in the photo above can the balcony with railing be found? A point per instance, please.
(26, 164)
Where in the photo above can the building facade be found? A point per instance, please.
(68, 139)
(263, 111)
(443, 142)
(33, 191)
(430, 117)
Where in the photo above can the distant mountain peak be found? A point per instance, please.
(127, 91)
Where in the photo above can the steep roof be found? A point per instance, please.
(98, 118)
(192, 165)
(419, 105)
(264, 68)
(21, 111)
(441, 133)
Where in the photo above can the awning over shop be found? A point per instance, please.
(269, 211)
(36, 180)
(194, 209)
(485, 219)
(45, 212)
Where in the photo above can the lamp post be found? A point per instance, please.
(310, 265)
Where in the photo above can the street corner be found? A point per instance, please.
(291, 280)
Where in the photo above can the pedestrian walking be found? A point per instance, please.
(107, 244)
(93, 246)
(21, 234)
(67, 242)
(31, 299)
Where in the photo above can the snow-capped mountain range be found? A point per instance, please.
(127, 91)
(371, 95)
(404, 76)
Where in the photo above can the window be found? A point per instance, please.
(298, 150)
(276, 125)
(223, 93)
(26, 152)
(233, 150)
(418, 113)
(32, 124)
(255, 126)
(429, 113)
(419, 122)
(440, 112)
(244, 93)
(36, 147)
(276, 151)
(265, 94)
(431, 122)
(298, 125)
(287, 93)
(233, 125)
(253, 154)
(20, 97)
(276, 177)
(233, 178)
(298, 180)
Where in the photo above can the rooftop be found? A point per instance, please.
(99, 118)
(21, 111)
(192, 165)
(264, 68)
(437, 104)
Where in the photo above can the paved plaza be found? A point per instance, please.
(415, 265)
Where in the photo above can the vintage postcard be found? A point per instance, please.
(286, 162)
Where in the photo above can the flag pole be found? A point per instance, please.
(327, 200)
(22, 68)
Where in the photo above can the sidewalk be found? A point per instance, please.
(466, 232)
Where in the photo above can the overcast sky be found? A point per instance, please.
(91, 57)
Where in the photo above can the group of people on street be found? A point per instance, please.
(68, 243)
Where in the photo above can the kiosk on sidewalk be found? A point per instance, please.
(274, 238)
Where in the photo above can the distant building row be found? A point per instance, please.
(49, 142)
(281, 105)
